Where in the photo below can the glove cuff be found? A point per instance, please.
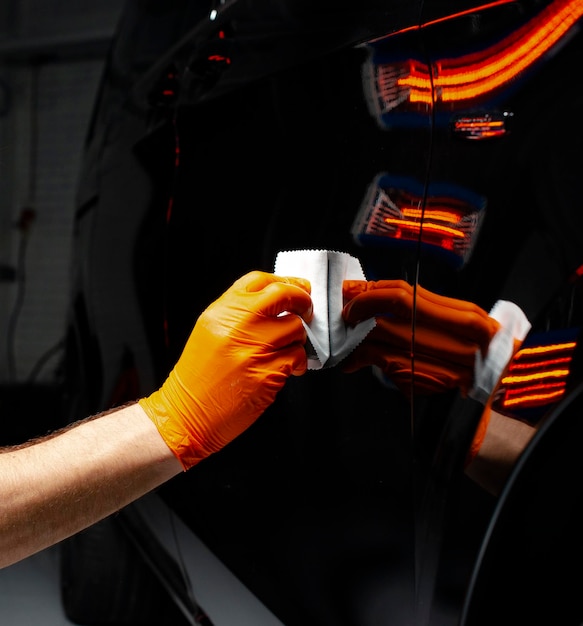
(169, 428)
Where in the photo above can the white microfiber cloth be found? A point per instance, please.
(514, 326)
(330, 337)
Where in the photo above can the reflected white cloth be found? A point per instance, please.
(514, 327)
(329, 336)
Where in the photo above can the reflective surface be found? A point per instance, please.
(440, 147)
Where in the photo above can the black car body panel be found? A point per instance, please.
(222, 138)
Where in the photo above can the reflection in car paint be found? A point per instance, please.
(395, 213)
(338, 456)
(411, 85)
(537, 375)
(482, 126)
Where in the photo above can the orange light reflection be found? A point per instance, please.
(540, 398)
(508, 380)
(416, 227)
(431, 214)
(479, 73)
(532, 381)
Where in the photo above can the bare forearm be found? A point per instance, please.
(56, 487)
(239, 355)
(505, 440)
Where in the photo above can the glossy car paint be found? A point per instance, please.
(222, 138)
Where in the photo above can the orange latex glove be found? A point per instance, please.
(238, 356)
(448, 332)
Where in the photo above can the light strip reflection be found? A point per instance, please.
(479, 73)
(537, 375)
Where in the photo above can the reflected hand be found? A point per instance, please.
(448, 332)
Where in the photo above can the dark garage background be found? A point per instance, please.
(51, 58)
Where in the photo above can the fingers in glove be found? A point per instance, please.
(395, 298)
(273, 295)
(427, 342)
(351, 289)
(238, 356)
(430, 375)
(368, 299)
(461, 317)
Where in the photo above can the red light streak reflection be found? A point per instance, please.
(471, 76)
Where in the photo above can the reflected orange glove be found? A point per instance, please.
(448, 332)
(480, 433)
(238, 356)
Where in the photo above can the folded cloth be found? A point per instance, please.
(330, 339)
(514, 327)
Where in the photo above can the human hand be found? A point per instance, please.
(447, 334)
(238, 356)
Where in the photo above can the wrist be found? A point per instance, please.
(172, 428)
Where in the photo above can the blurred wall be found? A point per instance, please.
(51, 57)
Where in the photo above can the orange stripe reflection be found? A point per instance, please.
(508, 380)
(416, 226)
(479, 73)
(540, 398)
(549, 380)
